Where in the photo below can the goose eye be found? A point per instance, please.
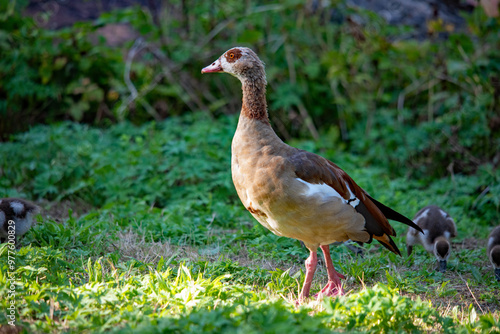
(231, 55)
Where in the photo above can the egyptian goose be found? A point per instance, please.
(438, 229)
(494, 250)
(295, 193)
(16, 218)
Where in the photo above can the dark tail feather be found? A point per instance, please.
(394, 215)
(388, 243)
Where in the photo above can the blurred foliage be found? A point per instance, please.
(421, 108)
(181, 168)
(48, 76)
(167, 244)
(337, 74)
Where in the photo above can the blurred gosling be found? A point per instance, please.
(16, 218)
(494, 250)
(438, 229)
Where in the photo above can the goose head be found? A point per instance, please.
(240, 62)
(442, 252)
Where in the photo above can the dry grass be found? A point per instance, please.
(131, 245)
(59, 211)
(456, 296)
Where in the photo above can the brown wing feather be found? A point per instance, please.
(372, 209)
(315, 169)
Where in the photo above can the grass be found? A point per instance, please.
(143, 233)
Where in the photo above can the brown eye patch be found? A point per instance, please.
(233, 55)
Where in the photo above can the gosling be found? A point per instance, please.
(494, 250)
(438, 229)
(16, 218)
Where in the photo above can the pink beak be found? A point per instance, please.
(213, 68)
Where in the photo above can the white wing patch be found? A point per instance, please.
(351, 202)
(444, 214)
(423, 215)
(18, 207)
(326, 192)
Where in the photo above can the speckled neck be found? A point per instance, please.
(254, 98)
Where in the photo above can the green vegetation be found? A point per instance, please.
(46, 76)
(168, 245)
(142, 230)
(428, 104)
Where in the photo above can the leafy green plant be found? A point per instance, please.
(254, 318)
(382, 310)
(46, 81)
(428, 106)
(165, 244)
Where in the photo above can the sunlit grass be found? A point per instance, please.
(175, 251)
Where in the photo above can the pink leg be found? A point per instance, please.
(311, 262)
(334, 286)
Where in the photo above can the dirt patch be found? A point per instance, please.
(131, 245)
(59, 211)
(469, 243)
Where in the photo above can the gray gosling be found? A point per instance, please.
(16, 218)
(494, 250)
(438, 229)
